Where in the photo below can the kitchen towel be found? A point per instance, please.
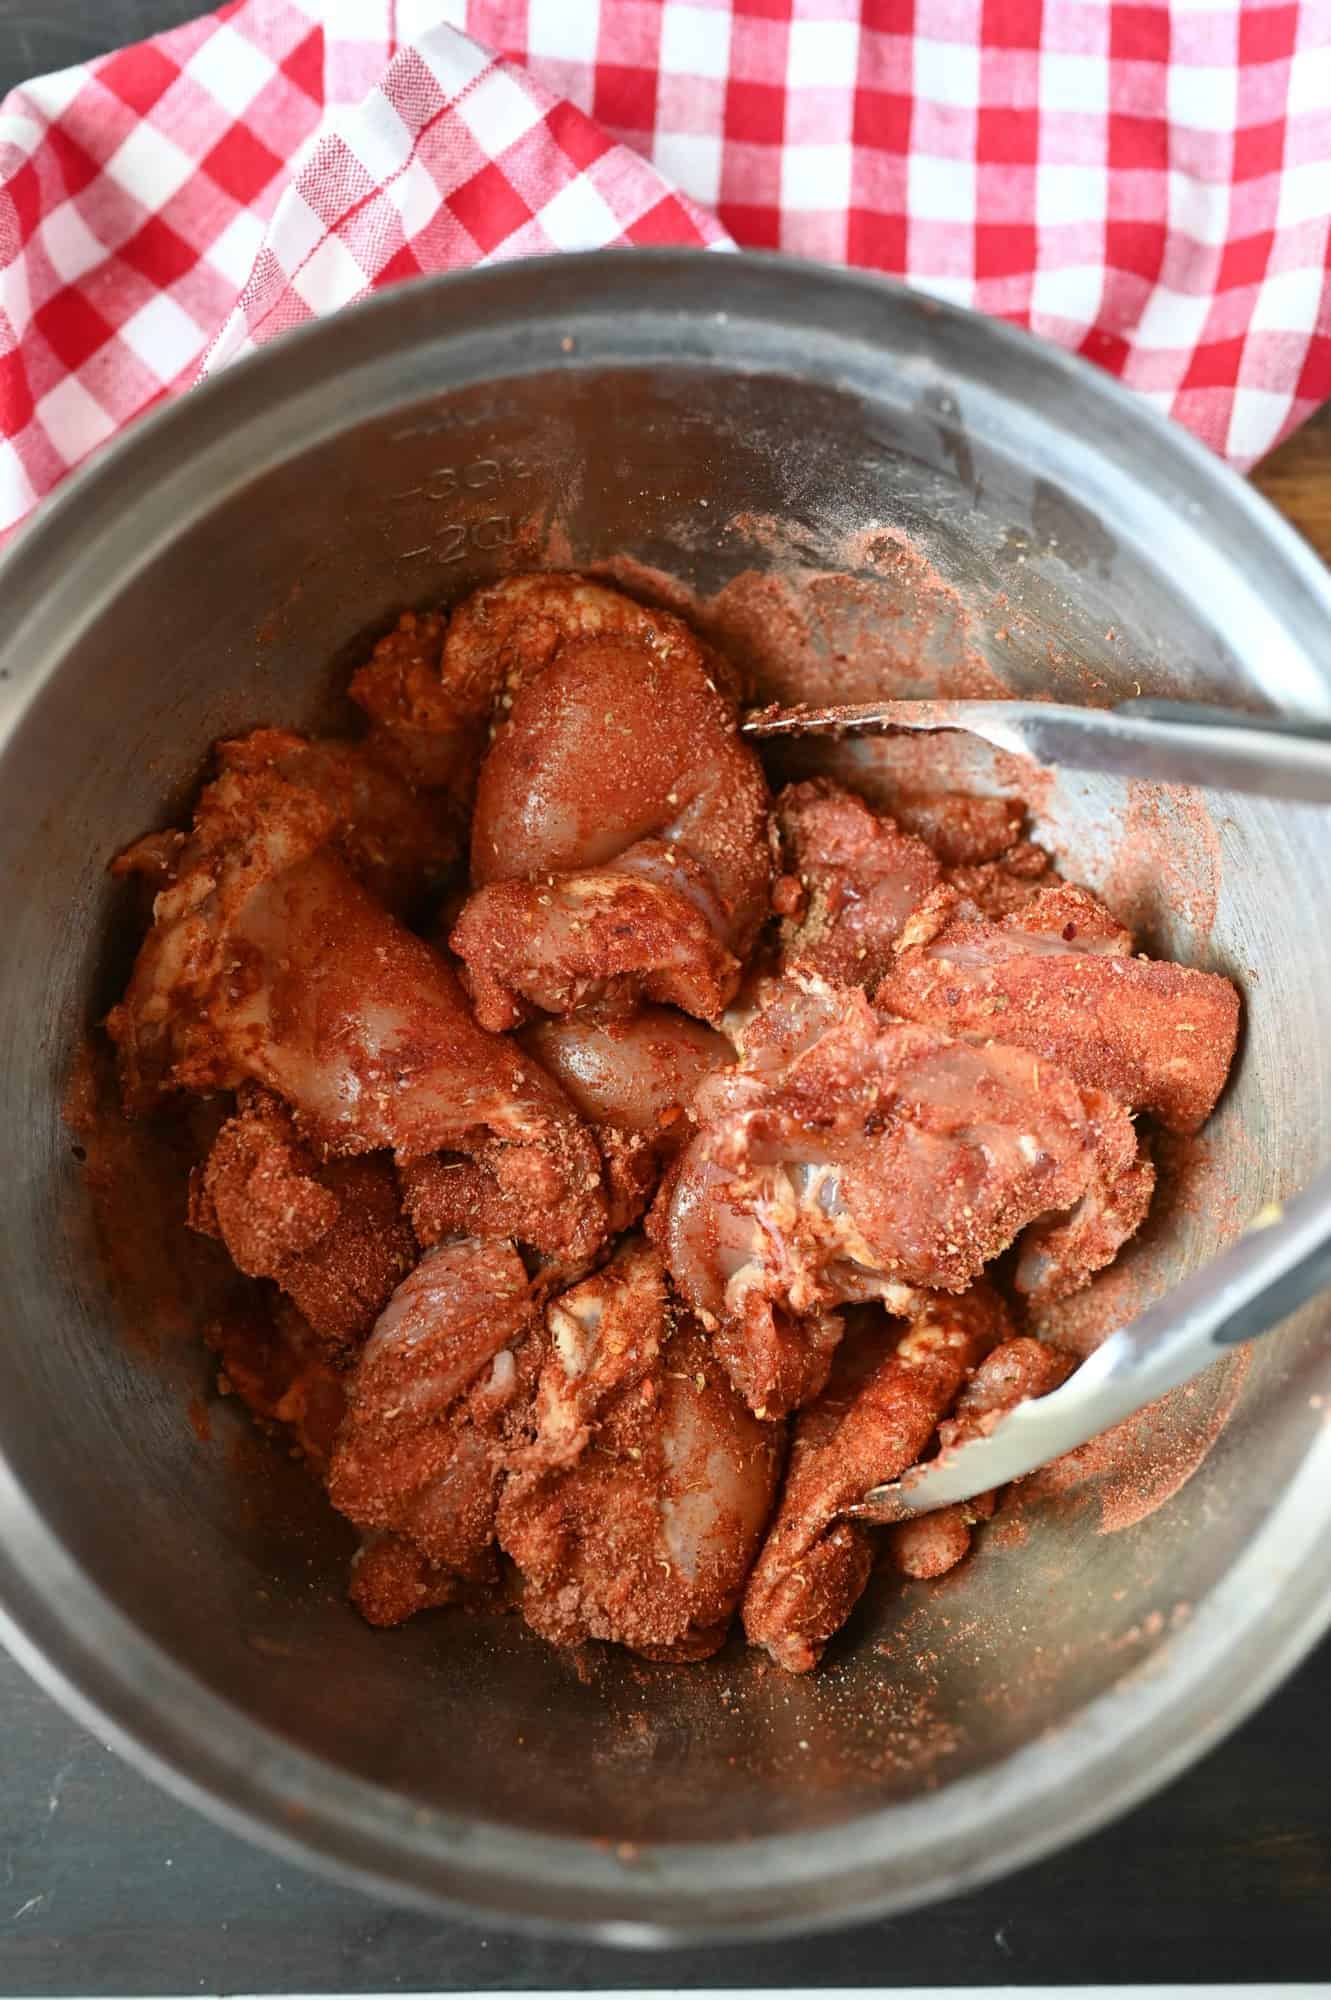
(1148, 185)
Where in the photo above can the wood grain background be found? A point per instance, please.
(1297, 478)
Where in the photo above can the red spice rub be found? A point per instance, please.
(267, 961)
(850, 1155)
(873, 1420)
(850, 879)
(331, 1235)
(1158, 1037)
(636, 1514)
(419, 1452)
(1016, 1371)
(617, 755)
(282, 1374)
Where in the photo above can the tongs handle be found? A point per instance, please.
(1205, 714)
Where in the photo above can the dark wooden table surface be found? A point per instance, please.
(109, 1887)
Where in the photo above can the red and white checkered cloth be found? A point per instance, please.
(1147, 184)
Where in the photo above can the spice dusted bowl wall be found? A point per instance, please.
(857, 491)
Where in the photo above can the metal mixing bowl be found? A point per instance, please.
(705, 416)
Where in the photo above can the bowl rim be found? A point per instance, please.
(67, 1632)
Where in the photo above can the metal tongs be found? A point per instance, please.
(1284, 1256)
(1280, 1261)
(1170, 742)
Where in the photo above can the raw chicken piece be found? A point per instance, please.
(935, 1543)
(1060, 1254)
(852, 878)
(980, 842)
(391, 1581)
(1069, 914)
(447, 1194)
(850, 1156)
(963, 829)
(268, 961)
(638, 1072)
(248, 829)
(888, 1389)
(1059, 916)
(916, 780)
(431, 732)
(509, 631)
(401, 846)
(775, 1358)
(1016, 1371)
(1158, 1037)
(432, 684)
(637, 1512)
(282, 1374)
(151, 859)
(420, 1451)
(619, 762)
(633, 1078)
(600, 935)
(332, 1235)
(998, 888)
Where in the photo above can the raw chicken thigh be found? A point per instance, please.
(619, 847)
(636, 1514)
(606, 1224)
(851, 1156)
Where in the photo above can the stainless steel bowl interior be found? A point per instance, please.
(704, 417)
